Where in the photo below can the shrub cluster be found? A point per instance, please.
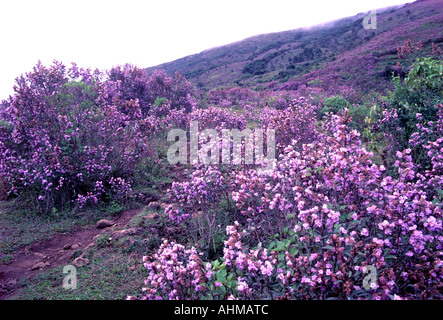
(327, 224)
(70, 136)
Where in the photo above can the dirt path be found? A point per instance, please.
(58, 251)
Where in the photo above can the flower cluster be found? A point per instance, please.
(334, 215)
(217, 118)
(294, 122)
(203, 192)
(61, 143)
(175, 273)
(130, 82)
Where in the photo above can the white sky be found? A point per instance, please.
(102, 34)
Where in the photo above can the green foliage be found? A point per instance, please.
(368, 135)
(419, 93)
(333, 104)
(359, 113)
(256, 67)
(427, 74)
(160, 101)
(308, 53)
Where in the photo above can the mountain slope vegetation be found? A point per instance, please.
(339, 52)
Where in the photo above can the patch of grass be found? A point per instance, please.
(110, 275)
(139, 219)
(115, 270)
(20, 227)
(114, 208)
(6, 259)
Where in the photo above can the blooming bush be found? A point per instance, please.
(60, 146)
(198, 202)
(295, 122)
(130, 82)
(217, 118)
(330, 224)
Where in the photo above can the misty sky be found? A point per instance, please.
(102, 34)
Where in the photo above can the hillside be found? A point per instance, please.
(341, 52)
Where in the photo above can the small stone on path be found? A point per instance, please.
(104, 223)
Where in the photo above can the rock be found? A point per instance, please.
(143, 197)
(172, 230)
(74, 246)
(80, 262)
(90, 245)
(153, 216)
(38, 265)
(154, 205)
(104, 223)
(40, 255)
(124, 232)
(164, 205)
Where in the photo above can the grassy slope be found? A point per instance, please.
(345, 48)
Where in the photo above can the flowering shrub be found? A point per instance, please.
(295, 122)
(129, 82)
(175, 273)
(58, 145)
(332, 221)
(198, 202)
(326, 217)
(217, 118)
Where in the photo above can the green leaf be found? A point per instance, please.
(232, 284)
(221, 276)
(272, 246)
